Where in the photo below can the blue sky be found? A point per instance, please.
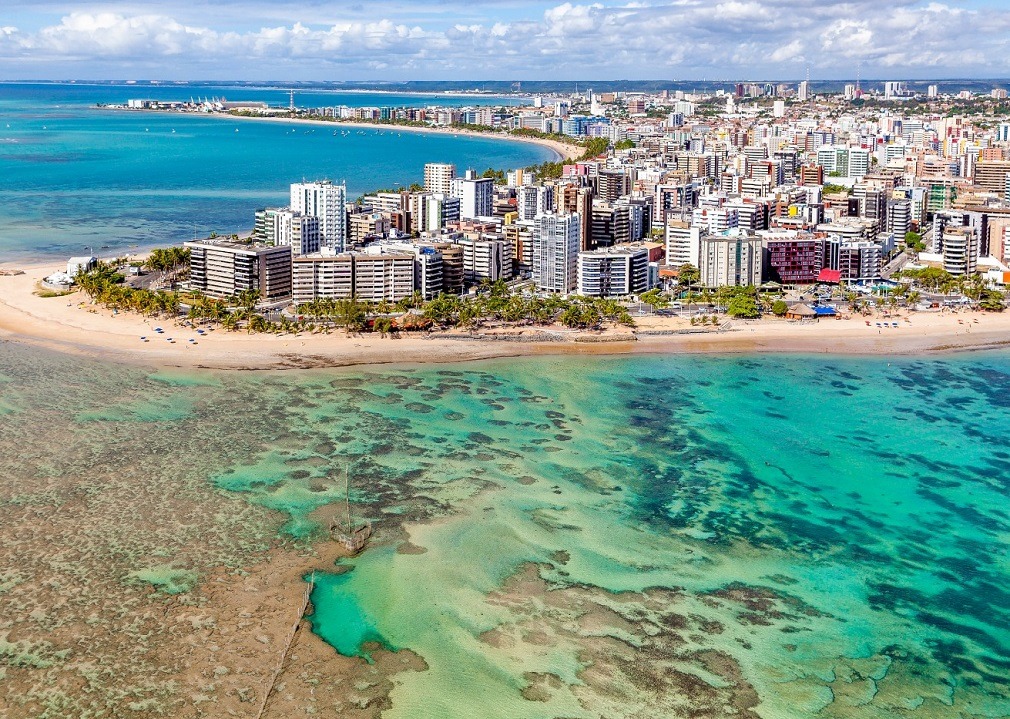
(508, 39)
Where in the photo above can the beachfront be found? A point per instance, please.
(72, 324)
(562, 150)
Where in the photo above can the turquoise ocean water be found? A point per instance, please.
(72, 176)
(615, 537)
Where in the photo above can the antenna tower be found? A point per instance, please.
(291, 103)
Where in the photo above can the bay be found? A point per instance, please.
(73, 176)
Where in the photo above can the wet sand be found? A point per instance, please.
(73, 324)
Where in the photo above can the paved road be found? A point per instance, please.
(894, 265)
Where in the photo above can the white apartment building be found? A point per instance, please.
(325, 201)
(322, 276)
(219, 268)
(475, 194)
(534, 201)
(960, 250)
(733, 258)
(714, 220)
(438, 177)
(486, 259)
(285, 228)
(683, 244)
(615, 271)
(371, 277)
(432, 212)
(383, 277)
(556, 252)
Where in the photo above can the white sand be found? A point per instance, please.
(72, 324)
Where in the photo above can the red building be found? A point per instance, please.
(795, 261)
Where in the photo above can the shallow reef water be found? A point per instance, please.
(785, 536)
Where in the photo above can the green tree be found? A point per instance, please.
(779, 308)
(992, 301)
(655, 299)
(688, 275)
(383, 325)
(350, 314)
(743, 306)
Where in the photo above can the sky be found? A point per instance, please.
(370, 40)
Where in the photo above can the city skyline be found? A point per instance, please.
(452, 40)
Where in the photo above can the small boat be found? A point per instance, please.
(353, 538)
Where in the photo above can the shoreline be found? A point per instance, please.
(563, 151)
(71, 324)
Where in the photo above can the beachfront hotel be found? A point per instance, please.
(221, 268)
(556, 252)
(733, 258)
(369, 277)
(616, 271)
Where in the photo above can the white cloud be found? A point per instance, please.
(683, 38)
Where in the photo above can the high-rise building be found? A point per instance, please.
(860, 261)
(326, 201)
(715, 219)
(683, 243)
(219, 268)
(322, 276)
(486, 259)
(991, 176)
(476, 195)
(556, 252)
(573, 199)
(438, 177)
(432, 212)
(615, 271)
(534, 200)
(872, 204)
(612, 184)
(452, 267)
(899, 217)
(960, 250)
(383, 277)
(811, 175)
(795, 260)
(733, 258)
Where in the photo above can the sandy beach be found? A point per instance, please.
(72, 324)
(562, 150)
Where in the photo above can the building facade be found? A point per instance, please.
(733, 258)
(438, 177)
(326, 201)
(556, 252)
(616, 271)
(219, 268)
